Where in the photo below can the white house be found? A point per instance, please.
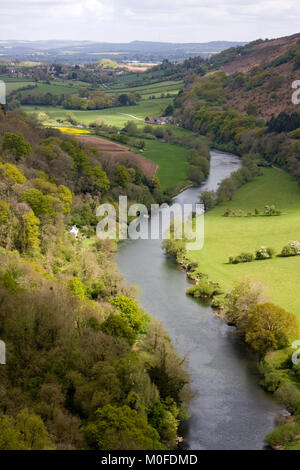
(74, 231)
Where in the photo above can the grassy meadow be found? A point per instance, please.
(171, 160)
(111, 116)
(230, 236)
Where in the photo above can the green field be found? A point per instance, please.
(14, 84)
(171, 160)
(229, 236)
(112, 116)
(155, 89)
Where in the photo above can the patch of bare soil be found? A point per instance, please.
(120, 154)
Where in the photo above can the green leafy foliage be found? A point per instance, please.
(129, 309)
(120, 428)
(15, 143)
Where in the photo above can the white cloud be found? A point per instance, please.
(165, 20)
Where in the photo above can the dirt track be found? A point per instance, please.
(113, 150)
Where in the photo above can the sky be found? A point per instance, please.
(148, 20)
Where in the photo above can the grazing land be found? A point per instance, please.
(112, 116)
(171, 160)
(230, 236)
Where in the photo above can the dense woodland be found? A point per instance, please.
(86, 366)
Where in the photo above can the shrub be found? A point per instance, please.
(264, 253)
(291, 249)
(174, 248)
(242, 258)
(281, 434)
(204, 289)
(271, 210)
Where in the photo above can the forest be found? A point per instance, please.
(86, 368)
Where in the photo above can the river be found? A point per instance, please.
(229, 411)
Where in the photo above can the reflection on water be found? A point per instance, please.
(229, 410)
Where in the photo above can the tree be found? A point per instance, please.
(129, 309)
(99, 179)
(120, 428)
(16, 144)
(169, 110)
(31, 240)
(195, 174)
(209, 199)
(77, 287)
(122, 176)
(115, 325)
(243, 299)
(4, 212)
(12, 173)
(226, 190)
(252, 109)
(40, 204)
(65, 196)
(270, 327)
(26, 432)
(131, 128)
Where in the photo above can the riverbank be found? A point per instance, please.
(229, 236)
(229, 410)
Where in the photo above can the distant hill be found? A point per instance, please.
(254, 54)
(261, 73)
(88, 51)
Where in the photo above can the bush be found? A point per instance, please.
(174, 248)
(271, 210)
(204, 290)
(291, 249)
(242, 258)
(281, 434)
(264, 253)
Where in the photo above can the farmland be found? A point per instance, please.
(171, 161)
(117, 116)
(111, 150)
(230, 236)
(155, 97)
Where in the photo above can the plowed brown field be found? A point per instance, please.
(111, 150)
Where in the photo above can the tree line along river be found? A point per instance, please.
(229, 410)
